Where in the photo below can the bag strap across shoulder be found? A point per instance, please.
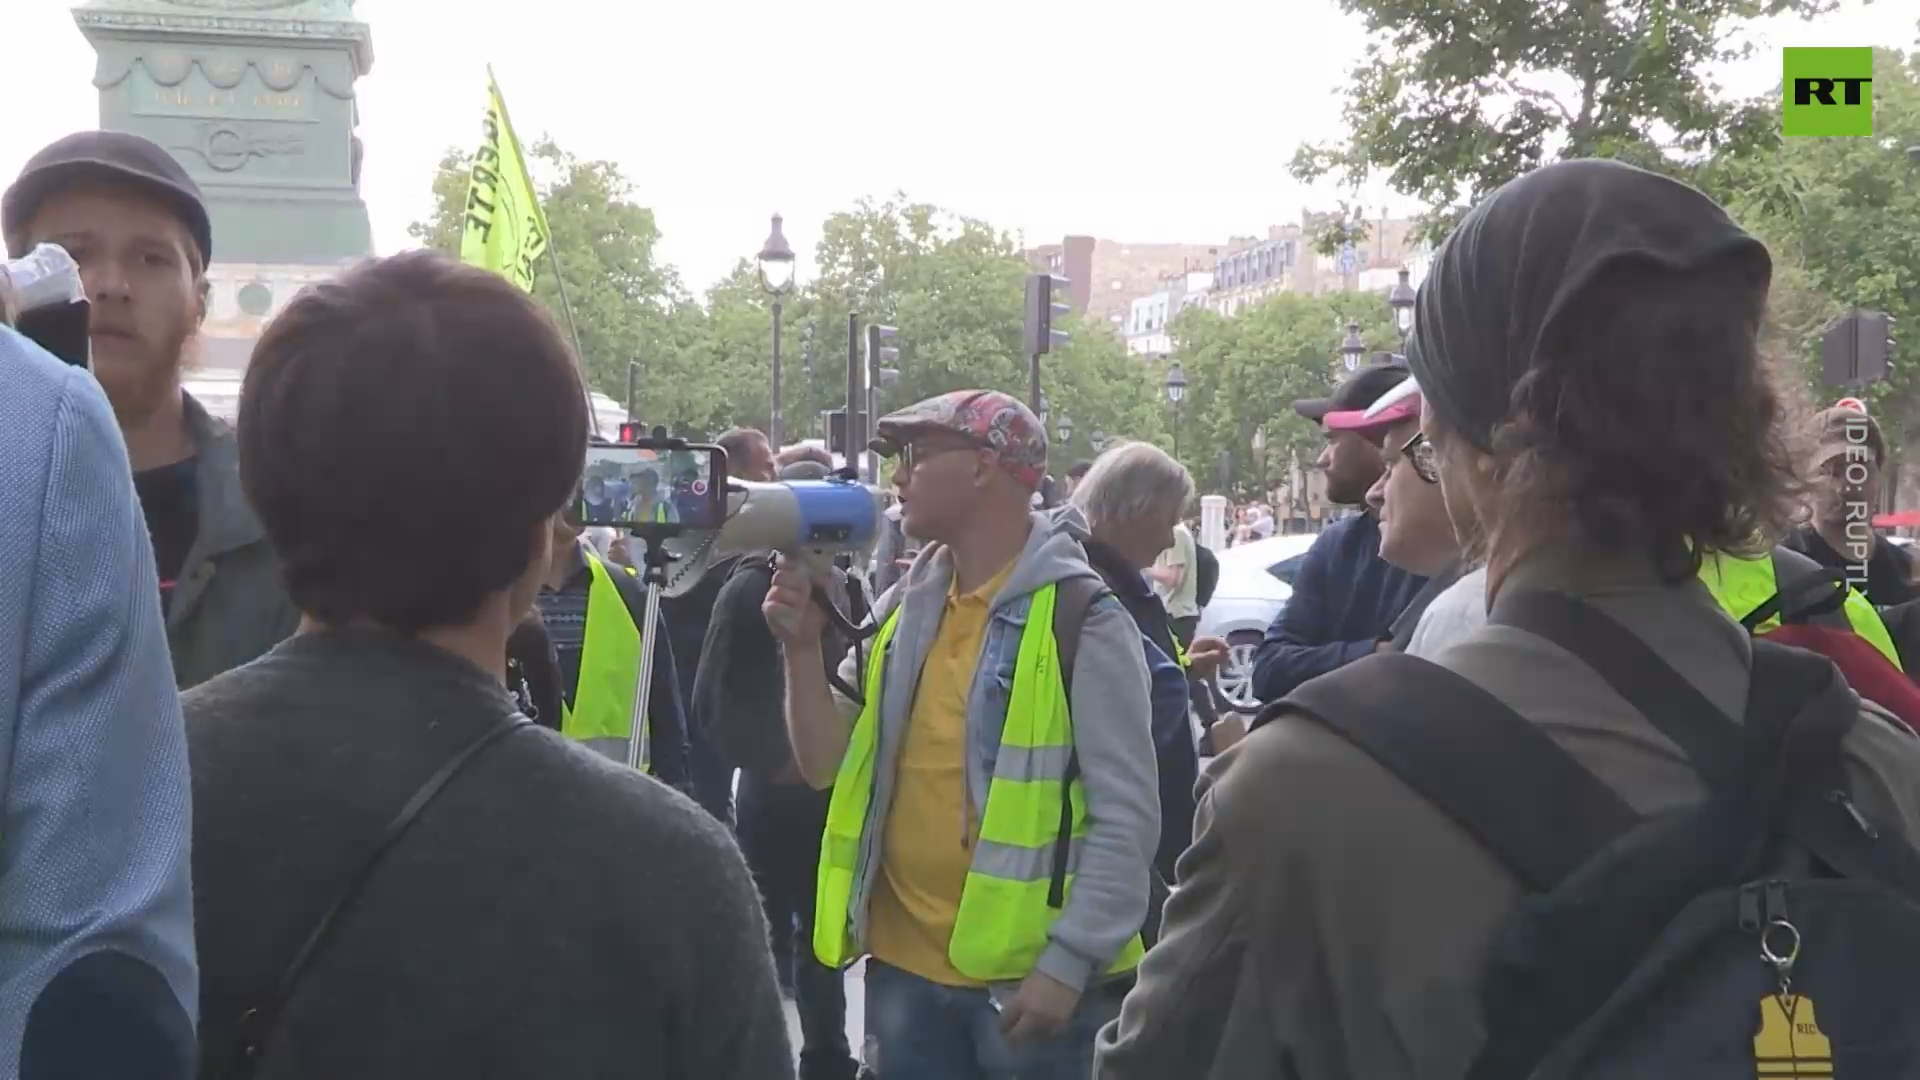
(1669, 701)
(1805, 592)
(1073, 599)
(258, 1024)
(1495, 773)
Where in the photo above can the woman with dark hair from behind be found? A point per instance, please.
(508, 903)
(1586, 347)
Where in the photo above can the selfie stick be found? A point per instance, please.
(654, 575)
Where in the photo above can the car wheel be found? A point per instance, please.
(1236, 675)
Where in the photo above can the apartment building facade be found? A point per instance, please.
(1105, 276)
(1148, 317)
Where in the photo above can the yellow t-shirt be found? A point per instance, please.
(928, 843)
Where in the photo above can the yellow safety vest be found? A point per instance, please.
(1742, 585)
(601, 715)
(1004, 916)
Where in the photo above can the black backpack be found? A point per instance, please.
(1206, 574)
(1669, 946)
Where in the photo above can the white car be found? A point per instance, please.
(1256, 581)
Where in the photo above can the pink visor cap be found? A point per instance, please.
(1397, 404)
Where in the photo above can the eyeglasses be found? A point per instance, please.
(919, 451)
(1423, 457)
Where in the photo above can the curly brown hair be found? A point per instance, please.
(1650, 425)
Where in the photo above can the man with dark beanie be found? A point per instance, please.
(135, 222)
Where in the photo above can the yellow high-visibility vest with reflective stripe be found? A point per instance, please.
(1742, 585)
(601, 715)
(1004, 916)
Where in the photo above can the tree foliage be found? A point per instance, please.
(625, 305)
(1456, 97)
(1840, 216)
(952, 286)
(1244, 373)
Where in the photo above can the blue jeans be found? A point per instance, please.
(926, 1031)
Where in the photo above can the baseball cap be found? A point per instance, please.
(997, 421)
(1358, 391)
(1398, 404)
(129, 157)
(1841, 427)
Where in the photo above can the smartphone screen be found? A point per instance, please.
(629, 486)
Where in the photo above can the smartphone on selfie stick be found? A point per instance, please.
(43, 293)
(655, 489)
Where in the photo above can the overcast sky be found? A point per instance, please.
(1170, 121)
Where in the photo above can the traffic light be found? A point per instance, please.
(1043, 311)
(836, 430)
(881, 355)
(1856, 348)
(632, 431)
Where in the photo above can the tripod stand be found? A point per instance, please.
(654, 577)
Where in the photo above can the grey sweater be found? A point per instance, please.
(551, 914)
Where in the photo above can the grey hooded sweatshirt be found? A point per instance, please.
(1112, 725)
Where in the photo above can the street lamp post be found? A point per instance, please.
(1352, 348)
(1176, 389)
(776, 276)
(1042, 408)
(1064, 429)
(1401, 299)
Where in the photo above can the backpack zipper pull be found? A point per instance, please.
(1750, 908)
(1776, 901)
(1841, 799)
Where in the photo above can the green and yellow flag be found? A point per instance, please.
(504, 229)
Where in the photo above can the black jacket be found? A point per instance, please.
(533, 673)
(619, 935)
(1345, 598)
(739, 705)
(688, 617)
(666, 714)
(1178, 758)
(1400, 633)
(1889, 568)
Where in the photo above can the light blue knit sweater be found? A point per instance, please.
(94, 793)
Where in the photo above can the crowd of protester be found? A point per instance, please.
(293, 789)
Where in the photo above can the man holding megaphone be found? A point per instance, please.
(1005, 692)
